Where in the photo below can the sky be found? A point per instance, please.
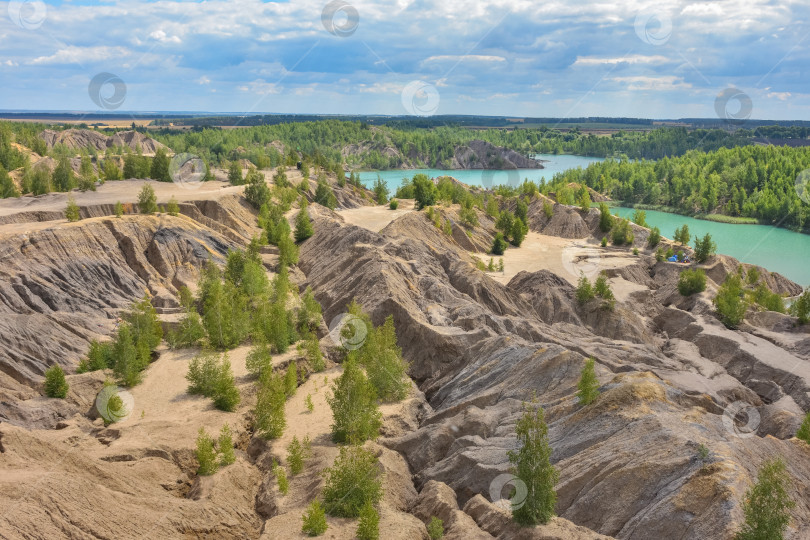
(735, 59)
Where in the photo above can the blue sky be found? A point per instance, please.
(639, 58)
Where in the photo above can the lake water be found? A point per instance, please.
(778, 250)
(476, 177)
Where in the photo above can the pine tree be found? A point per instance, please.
(126, 365)
(355, 414)
(588, 383)
(235, 174)
(704, 248)
(206, 454)
(532, 465)
(303, 225)
(269, 419)
(225, 445)
(160, 167)
(605, 219)
(767, 504)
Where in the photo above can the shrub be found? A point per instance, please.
(730, 301)
(225, 444)
(531, 464)
(604, 241)
(147, 200)
(393, 204)
(55, 384)
(119, 209)
(72, 210)
(281, 478)
(635, 252)
(588, 383)
(212, 377)
(804, 430)
(584, 291)
(314, 355)
(602, 289)
(314, 519)
(126, 366)
(99, 356)
(704, 248)
(380, 190)
(190, 331)
(622, 232)
(691, 282)
(368, 528)
(640, 218)
(767, 299)
(767, 504)
(655, 237)
(659, 254)
(498, 244)
(160, 166)
(269, 419)
(518, 232)
(235, 173)
(308, 402)
(297, 453)
(351, 482)
(173, 208)
(435, 528)
(468, 217)
(325, 196)
(257, 193)
(355, 414)
(303, 225)
(206, 454)
(682, 235)
(382, 358)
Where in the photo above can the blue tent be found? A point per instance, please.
(674, 258)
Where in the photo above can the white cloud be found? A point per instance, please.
(261, 87)
(203, 80)
(79, 55)
(666, 82)
(464, 58)
(633, 59)
(160, 35)
(781, 96)
(381, 88)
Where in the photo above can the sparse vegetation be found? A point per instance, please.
(147, 200)
(655, 237)
(352, 482)
(588, 383)
(56, 385)
(314, 519)
(356, 417)
(435, 528)
(584, 291)
(368, 528)
(691, 281)
(269, 419)
(206, 454)
(173, 208)
(297, 453)
(72, 210)
(730, 301)
(211, 376)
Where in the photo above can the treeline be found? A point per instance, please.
(751, 181)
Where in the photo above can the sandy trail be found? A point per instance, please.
(376, 218)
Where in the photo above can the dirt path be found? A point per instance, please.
(376, 218)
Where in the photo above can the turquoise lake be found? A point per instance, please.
(476, 177)
(778, 250)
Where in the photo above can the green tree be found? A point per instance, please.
(605, 218)
(767, 504)
(257, 193)
(380, 190)
(269, 419)
(160, 167)
(7, 187)
(691, 282)
(584, 199)
(368, 528)
(119, 209)
(355, 414)
(531, 463)
(40, 181)
(351, 482)
(126, 366)
(280, 178)
(682, 234)
(110, 170)
(206, 454)
(225, 445)
(147, 200)
(303, 224)
(291, 379)
(731, 302)
(297, 453)
(518, 232)
(640, 218)
(655, 237)
(622, 232)
(704, 248)
(424, 191)
(72, 210)
(498, 244)
(314, 519)
(801, 307)
(602, 289)
(235, 174)
(324, 195)
(55, 384)
(584, 290)
(588, 383)
(63, 178)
